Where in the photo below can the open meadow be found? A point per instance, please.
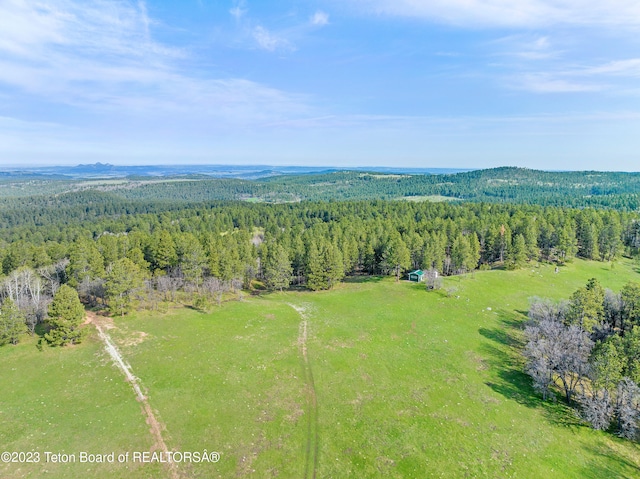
(372, 379)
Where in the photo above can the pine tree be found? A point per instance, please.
(123, 280)
(315, 272)
(471, 262)
(162, 251)
(630, 295)
(567, 244)
(396, 256)
(325, 267)
(230, 264)
(517, 255)
(12, 323)
(530, 233)
(277, 267)
(65, 317)
(192, 259)
(586, 307)
(334, 266)
(460, 254)
(212, 247)
(85, 262)
(137, 256)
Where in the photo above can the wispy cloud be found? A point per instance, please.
(252, 33)
(270, 41)
(450, 124)
(537, 49)
(509, 13)
(320, 18)
(629, 67)
(546, 83)
(101, 55)
(578, 79)
(239, 9)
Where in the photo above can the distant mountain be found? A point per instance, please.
(105, 169)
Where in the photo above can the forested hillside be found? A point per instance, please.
(513, 185)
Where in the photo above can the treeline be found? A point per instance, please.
(589, 348)
(207, 250)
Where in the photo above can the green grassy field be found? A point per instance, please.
(397, 382)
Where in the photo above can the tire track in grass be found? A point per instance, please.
(155, 425)
(311, 456)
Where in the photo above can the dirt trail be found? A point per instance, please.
(103, 323)
(311, 459)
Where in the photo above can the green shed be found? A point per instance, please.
(416, 276)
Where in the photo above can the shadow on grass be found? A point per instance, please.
(41, 329)
(203, 309)
(363, 279)
(610, 463)
(506, 365)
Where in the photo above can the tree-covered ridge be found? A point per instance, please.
(507, 184)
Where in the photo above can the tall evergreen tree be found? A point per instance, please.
(85, 262)
(566, 244)
(314, 270)
(334, 267)
(587, 306)
(324, 266)
(123, 280)
(460, 254)
(12, 323)
(162, 252)
(517, 255)
(277, 268)
(472, 260)
(630, 296)
(65, 317)
(191, 259)
(396, 257)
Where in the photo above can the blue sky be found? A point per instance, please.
(551, 84)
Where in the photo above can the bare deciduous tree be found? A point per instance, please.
(597, 409)
(628, 409)
(555, 351)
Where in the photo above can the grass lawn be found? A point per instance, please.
(68, 401)
(398, 382)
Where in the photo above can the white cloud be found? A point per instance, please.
(239, 9)
(99, 55)
(526, 47)
(630, 67)
(539, 49)
(268, 40)
(579, 79)
(543, 83)
(510, 13)
(320, 18)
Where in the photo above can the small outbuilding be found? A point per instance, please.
(416, 276)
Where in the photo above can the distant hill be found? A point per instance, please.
(106, 170)
(293, 184)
